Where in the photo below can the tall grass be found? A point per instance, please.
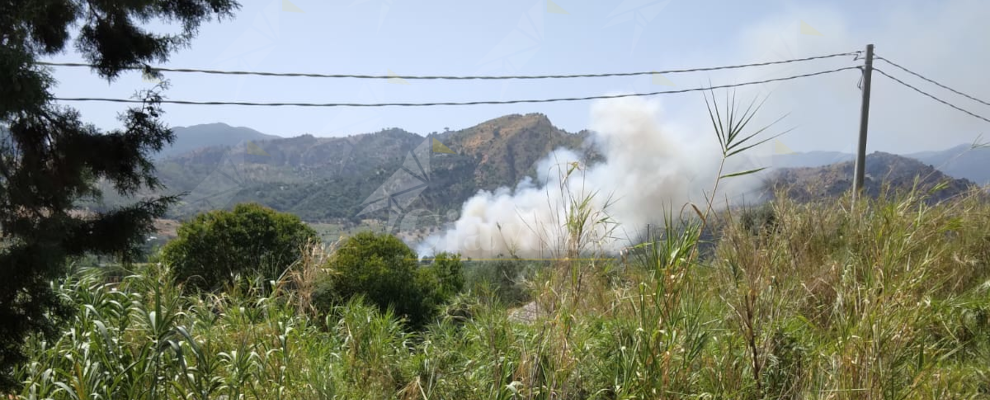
(888, 301)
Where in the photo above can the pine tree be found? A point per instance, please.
(50, 160)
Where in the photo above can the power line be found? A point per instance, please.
(930, 95)
(439, 77)
(934, 82)
(468, 103)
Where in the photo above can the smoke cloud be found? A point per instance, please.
(651, 167)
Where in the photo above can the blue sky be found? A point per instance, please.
(946, 40)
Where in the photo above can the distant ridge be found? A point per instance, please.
(963, 161)
(189, 138)
(329, 178)
(897, 173)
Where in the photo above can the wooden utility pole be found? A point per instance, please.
(864, 123)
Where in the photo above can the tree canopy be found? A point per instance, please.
(50, 159)
(251, 239)
(385, 272)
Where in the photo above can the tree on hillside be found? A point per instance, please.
(50, 159)
(251, 239)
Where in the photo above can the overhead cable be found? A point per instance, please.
(933, 97)
(932, 81)
(464, 77)
(453, 103)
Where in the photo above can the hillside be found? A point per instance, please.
(329, 178)
(493, 154)
(963, 161)
(194, 137)
(506, 148)
(897, 172)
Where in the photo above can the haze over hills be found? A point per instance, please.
(965, 161)
(323, 179)
(194, 137)
(894, 171)
(809, 159)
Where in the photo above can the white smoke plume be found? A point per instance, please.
(651, 167)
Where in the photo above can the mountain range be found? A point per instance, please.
(883, 171)
(361, 176)
(965, 161)
(330, 178)
(194, 137)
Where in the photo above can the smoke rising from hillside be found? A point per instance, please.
(650, 166)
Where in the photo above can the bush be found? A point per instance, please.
(443, 279)
(386, 273)
(759, 220)
(503, 277)
(250, 240)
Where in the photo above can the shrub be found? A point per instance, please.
(443, 279)
(759, 220)
(252, 239)
(385, 272)
(504, 277)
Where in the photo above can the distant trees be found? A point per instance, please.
(50, 159)
(250, 240)
(386, 273)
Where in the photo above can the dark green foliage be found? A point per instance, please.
(250, 240)
(386, 273)
(785, 364)
(502, 277)
(381, 268)
(50, 159)
(443, 278)
(759, 220)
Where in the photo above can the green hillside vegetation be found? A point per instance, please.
(888, 300)
(327, 179)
